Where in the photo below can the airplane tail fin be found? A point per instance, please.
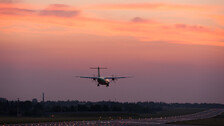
(98, 68)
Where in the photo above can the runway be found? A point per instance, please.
(134, 122)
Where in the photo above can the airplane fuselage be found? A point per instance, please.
(103, 81)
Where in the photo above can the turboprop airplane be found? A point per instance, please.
(102, 80)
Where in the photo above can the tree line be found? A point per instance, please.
(35, 108)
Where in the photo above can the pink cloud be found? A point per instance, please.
(138, 19)
(192, 27)
(10, 1)
(59, 13)
(59, 10)
(158, 6)
(16, 11)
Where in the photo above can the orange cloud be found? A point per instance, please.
(176, 33)
(59, 10)
(57, 19)
(155, 6)
(9, 1)
(142, 20)
(218, 18)
(174, 11)
(16, 11)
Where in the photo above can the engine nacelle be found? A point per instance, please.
(107, 81)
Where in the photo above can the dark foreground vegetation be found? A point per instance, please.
(215, 121)
(34, 111)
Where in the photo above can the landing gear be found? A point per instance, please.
(98, 85)
(107, 85)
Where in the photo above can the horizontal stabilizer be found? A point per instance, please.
(98, 68)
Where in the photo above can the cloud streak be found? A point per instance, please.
(58, 10)
(143, 29)
(58, 13)
(10, 1)
(153, 6)
(16, 11)
(141, 20)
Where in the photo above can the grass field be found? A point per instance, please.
(60, 117)
(175, 112)
(67, 117)
(215, 121)
(16, 120)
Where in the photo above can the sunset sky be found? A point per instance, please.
(173, 48)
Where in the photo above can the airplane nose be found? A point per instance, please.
(107, 81)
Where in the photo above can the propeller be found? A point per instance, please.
(113, 79)
(94, 80)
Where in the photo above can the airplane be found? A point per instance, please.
(102, 80)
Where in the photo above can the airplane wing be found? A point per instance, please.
(115, 78)
(94, 78)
